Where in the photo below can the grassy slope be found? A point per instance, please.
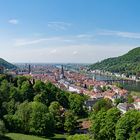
(16, 136)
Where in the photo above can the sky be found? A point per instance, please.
(67, 31)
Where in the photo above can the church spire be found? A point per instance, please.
(62, 73)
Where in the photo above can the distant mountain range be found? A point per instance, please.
(128, 63)
(6, 64)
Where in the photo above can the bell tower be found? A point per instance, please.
(62, 73)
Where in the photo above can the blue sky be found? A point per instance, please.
(67, 30)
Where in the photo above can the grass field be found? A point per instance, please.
(16, 136)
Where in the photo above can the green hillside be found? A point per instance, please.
(128, 63)
(6, 64)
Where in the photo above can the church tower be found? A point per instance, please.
(62, 73)
(29, 69)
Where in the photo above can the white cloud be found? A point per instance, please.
(53, 40)
(53, 51)
(74, 52)
(59, 25)
(84, 36)
(131, 35)
(26, 42)
(13, 21)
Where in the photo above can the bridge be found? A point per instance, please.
(117, 80)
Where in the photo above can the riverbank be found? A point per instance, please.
(130, 85)
(114, 76)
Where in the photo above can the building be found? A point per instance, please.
(137, 103)
(29, 69)
(62, 76)
(1, 69)
(124, 107)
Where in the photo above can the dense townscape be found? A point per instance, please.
(82, 84)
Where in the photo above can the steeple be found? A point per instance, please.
(62, 73)
(29, 69)
(62, 70)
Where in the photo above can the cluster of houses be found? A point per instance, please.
(124, 107)
(81, 84)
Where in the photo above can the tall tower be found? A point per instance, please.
(29, 69)
(62, 73)
(94, 78)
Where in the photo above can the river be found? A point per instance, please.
(129, 85)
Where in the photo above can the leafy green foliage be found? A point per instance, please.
(76, 104)
(31, 117)
(112, 125)
(37, 108)
(128, 126)
(104, 123)
(104, 104)
(70, 121)
(26, 91)
(111, 118)
(41, 122)
(98, 121)
(119, 100)
(130, 99)
(57, 111)
(2, 128)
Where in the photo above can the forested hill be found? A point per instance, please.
(128, 63)
(6, 64)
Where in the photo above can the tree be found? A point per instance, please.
(130, 99)
(76, 104)
(104, 124)
(10, 107)
(62, 98)
(111, 118)
(128, 126)
(41, 97)
(102, 104)
(31, 117)
(98, 121)
(57, 111)
(13, 123)
(51, 92)
(2, 128)
(41, 122)
(14, 93)
(22, 115)
(119, 100)
(27, 91)
(39, 86)
(4, 90)
(70, 123)
(20, 80)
